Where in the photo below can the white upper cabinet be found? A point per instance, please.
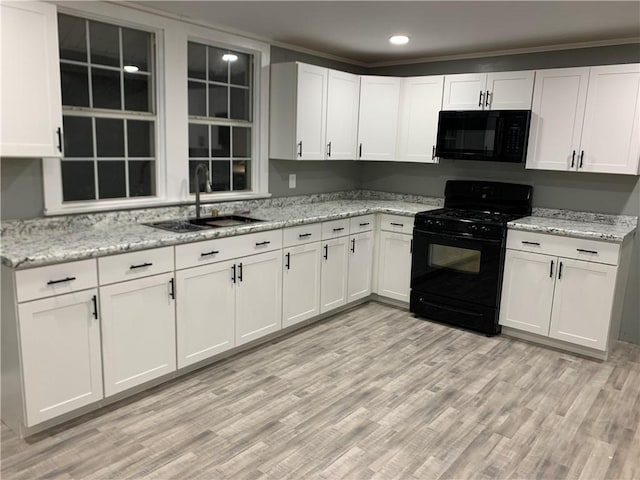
(31, 99)
(314, 113)
(492, 91)
(611, 132)
(464, 92)
(509, 90)
(586, 119)
(557, 113)
(378, 119)
(343, 99)
(421, 100)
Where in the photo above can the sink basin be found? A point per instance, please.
(203, 223)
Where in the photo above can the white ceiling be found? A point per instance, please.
(358, 31)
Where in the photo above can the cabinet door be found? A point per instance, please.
(582, 303)
(30, 92)
(378, 119)
(611, 132)
(61, 362)
(557, 112)
(360, 265)
(343, 99)
(258, 296)
(509, 90)
(301, 283)
(205, 312)
(333, 286)
(394, 267)
(138, 331)
(311, 116)
(527, 291)
(421, 103)
(464, 92)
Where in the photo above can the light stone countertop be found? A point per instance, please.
(31, 243)
(68, 242)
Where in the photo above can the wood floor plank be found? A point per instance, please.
(370, 393)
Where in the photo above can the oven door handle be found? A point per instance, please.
(462, 236)
(452, 309)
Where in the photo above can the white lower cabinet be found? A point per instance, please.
(301, 283)
(138, 331)
(61, 362)
(558, 297)
(333, 286)
(206, 311)
(394, 266)
(258, 296)
(527, 291)
(360, 266)
(582, 303)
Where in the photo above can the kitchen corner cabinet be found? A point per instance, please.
(314, 113)
(586, 120)
(562, 288)
(138, 331)
(61, 358)
(31, 119)
(421, 101)
(488, 91)
(206, 311)
(258, 296)
(378, 117)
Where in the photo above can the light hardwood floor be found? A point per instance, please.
(370, 393)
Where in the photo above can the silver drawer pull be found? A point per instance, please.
(258, 244)
(212, 252)
(303, 235)
(62, 280)
(587, 251)
(142, 265)
(530, 243)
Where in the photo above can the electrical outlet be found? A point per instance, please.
(292, 180)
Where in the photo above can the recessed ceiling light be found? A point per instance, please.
(229, 57)
(399, 40)
(130, 68)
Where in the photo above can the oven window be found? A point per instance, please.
(454, 258)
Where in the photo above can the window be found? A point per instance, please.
(109, 119)
(220, 86)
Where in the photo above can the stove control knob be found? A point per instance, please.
(429, 222)
(440, 223)
(484, 229)
(474, 228)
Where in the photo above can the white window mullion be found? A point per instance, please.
(95, 157)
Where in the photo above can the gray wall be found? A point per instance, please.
(21, 193)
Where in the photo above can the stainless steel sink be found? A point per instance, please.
(203, 223)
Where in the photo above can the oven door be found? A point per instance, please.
(457, 267)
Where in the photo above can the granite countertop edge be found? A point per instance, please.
(171, 239)
(27, 249)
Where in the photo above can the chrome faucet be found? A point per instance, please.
(196, 181)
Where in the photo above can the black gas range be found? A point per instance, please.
(458, 253)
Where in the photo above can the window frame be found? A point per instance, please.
(172, 35)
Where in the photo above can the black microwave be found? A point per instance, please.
(492, 135)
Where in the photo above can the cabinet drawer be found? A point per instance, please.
(257, 243)
(129, 266)
(335, 228)
(203, 253)
(363, 223)
(561, 246)
(302, 234)
(56, 279)
(396, 223)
